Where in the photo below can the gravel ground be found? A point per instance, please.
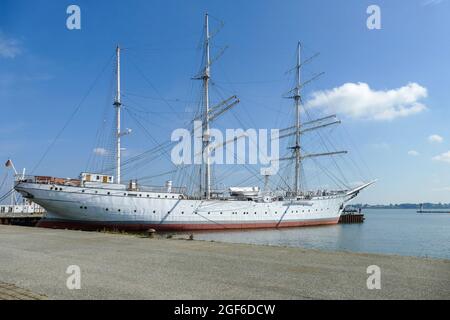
(117, 266)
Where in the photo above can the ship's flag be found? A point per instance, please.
(8, 163)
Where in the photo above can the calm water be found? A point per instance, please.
(393, 231)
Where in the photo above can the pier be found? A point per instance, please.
(351, 215)
(24, 214)
(433, 211)
(351, 218)
(422, 210)
(119, 266)
(20, 219)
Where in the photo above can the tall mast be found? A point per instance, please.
(205, 149)
(300, 128)
(209, 114)
(117, 105)
(297, 123)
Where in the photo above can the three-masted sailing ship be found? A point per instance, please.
(99, 200)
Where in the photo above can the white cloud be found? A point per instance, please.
(431, 2)
(358, 100)
(444, 157)
(9, 47)
(435, 138)
(100, 151)
(413, 153)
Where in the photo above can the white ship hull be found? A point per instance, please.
(103, 207)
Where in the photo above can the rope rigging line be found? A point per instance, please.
(100, 135)
(4, 180)
(72, 115)
(153, 87)
(250, 169)
(148, 133)
(7, 195)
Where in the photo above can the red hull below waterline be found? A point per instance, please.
(78, 225)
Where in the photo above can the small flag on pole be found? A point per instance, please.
(8, 163)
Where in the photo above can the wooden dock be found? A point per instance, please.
(18, 219)
(351, 218)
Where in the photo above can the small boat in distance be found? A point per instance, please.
(421, 210)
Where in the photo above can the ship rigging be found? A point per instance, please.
(100, 200)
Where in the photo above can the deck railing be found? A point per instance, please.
(47, 180)
(78, 183)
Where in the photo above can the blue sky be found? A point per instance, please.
(46, 70)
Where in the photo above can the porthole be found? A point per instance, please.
(109, 192)
(107, 209)
(154, 211)
(134, 210)
(82, 190)
(118, 210)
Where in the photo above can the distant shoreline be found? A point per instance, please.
(426, 206)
